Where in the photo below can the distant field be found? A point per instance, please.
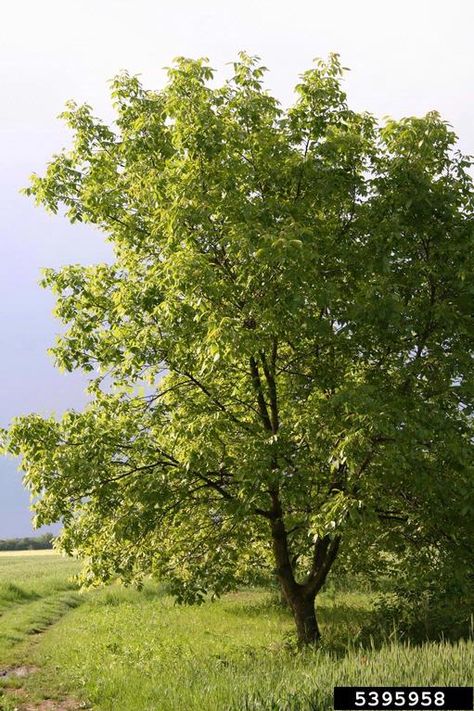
(122, 650)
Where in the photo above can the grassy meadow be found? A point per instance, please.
(114, 649)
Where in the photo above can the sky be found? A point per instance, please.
(406, 58)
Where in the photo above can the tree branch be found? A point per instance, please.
(262, 405)
(270, 378)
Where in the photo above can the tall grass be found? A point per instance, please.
(131, 651)
(138, 651)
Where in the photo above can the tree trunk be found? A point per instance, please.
(300, 596)
(300, 600)
(305, 618)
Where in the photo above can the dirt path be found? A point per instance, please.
(20, 697)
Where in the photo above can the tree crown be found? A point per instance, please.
(283, 335)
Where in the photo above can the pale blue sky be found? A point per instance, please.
(405, 58)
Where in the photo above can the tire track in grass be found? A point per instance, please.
(19, 624)
(35, 592)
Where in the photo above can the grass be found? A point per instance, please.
(35, 591)
(138, 651)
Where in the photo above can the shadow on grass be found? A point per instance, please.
(344, 623)
(267, 605)
(11, 593)
(117, 594)
(345, 626)
(347, 621)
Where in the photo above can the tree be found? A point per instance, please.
(280, 352)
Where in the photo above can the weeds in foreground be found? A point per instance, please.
(138, 651)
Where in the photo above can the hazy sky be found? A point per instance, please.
(406, 58)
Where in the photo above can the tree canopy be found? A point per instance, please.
(280, 353)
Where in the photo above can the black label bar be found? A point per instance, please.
(429, 698)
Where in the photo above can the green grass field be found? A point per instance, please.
(123, 650)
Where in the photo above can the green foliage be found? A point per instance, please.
(430, 601)
(284, 336)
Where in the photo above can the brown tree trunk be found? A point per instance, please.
(305, 618)
(299, 600)
(300, 596)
